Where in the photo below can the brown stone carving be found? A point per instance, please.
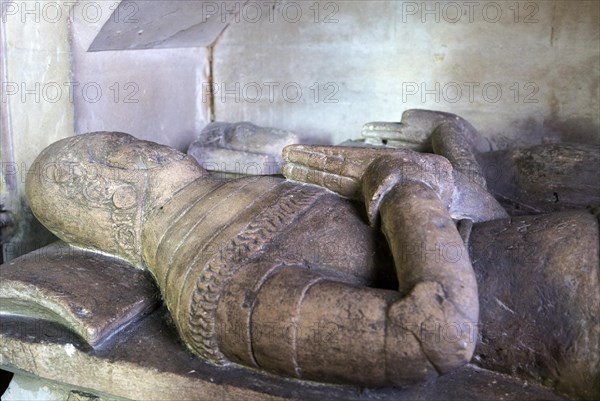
(291, 278)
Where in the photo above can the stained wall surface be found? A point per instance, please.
(35, 108)
(520, 71)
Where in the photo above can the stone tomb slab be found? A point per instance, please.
(142, 357)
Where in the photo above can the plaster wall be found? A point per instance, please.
(521, 72)
(35, 108)
(152, 94)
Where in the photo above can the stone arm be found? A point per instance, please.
(430, 328)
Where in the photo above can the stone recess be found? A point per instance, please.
(154, 94)
(359, 61)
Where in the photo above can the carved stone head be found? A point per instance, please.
(94, 190)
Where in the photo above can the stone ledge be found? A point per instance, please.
(147, 362)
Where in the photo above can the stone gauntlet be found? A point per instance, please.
(441, 308)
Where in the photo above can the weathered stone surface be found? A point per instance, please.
(25, 387)
(395, 134)
(236, 162)
(537, 179)
(92, 295)
(540, 299)
(340, 170)
(148, 350)
(415, 130)
(544, 178)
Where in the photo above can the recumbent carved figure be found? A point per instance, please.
(287, 275)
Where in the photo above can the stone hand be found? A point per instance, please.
(339, 169)
(453, 137)
(366, 174)
(348, 170)
(411, 194)
(416, 128)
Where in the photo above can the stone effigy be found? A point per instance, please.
(238, 260)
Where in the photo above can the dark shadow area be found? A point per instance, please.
(550, 129)
(5, 378)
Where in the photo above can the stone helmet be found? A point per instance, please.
(94, 190)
